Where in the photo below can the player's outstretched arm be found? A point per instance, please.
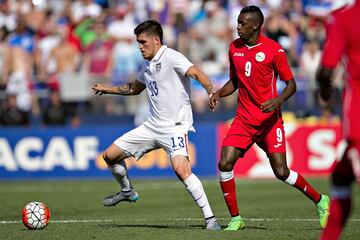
(228, 88)
(133, 88)
(195, 73)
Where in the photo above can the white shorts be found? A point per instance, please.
(144, 139)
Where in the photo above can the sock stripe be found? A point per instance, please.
(226, 176)
(291, 179)
(199, 198)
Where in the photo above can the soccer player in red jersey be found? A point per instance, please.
(255, 63)
(343, 39)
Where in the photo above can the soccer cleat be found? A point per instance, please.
(323, 209)
(236, 223)
(122, 196)
(212, 224)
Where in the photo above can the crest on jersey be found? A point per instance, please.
(158, 67)
(260, 56)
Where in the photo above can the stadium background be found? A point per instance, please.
(51, 52)
(52, 127)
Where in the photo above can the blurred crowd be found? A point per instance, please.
(53, 51)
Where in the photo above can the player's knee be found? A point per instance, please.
(281, 173)
(107, 159)
(225, 166)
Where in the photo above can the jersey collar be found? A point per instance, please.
(259, 42)
(159, 53)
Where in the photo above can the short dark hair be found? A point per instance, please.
(150, 27)
(259, 16)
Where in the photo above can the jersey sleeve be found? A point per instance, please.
(334, 44)
(282, 66)
(180, 62)
(140, 75)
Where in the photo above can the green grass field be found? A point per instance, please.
(272, 210)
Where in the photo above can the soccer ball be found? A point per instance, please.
(35, 215)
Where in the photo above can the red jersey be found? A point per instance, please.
(256, 68)
(343, 38)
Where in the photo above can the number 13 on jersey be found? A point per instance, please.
(153, 88)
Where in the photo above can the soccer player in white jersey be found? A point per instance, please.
(166, 76)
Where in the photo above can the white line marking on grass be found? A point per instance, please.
(179, 219)
(68, 221)
(87, 189)
(260, 219)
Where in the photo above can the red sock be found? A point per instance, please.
(228, 189)
(339, 211)
(307, 189)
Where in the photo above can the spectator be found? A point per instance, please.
(85, 32)
(82, 9)
(20, 66)
(66, 56)
(280, 29)
(7, 17)
(50, 42)
(126, 56)
(96, 58)
(34, 16)
(309, 62)
(11, 115)
(45, 66)
(67, 59)
(98, 62)
(55, 112)
(4, 58)
(20, 80)
(210, 35)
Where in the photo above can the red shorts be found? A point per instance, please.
(270, 138)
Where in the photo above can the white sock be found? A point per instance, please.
(119, 171)
(226, 176)
(291, 180)
(196, 190)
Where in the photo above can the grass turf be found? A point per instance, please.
(272, 210)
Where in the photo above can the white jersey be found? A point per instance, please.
(168, 89)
